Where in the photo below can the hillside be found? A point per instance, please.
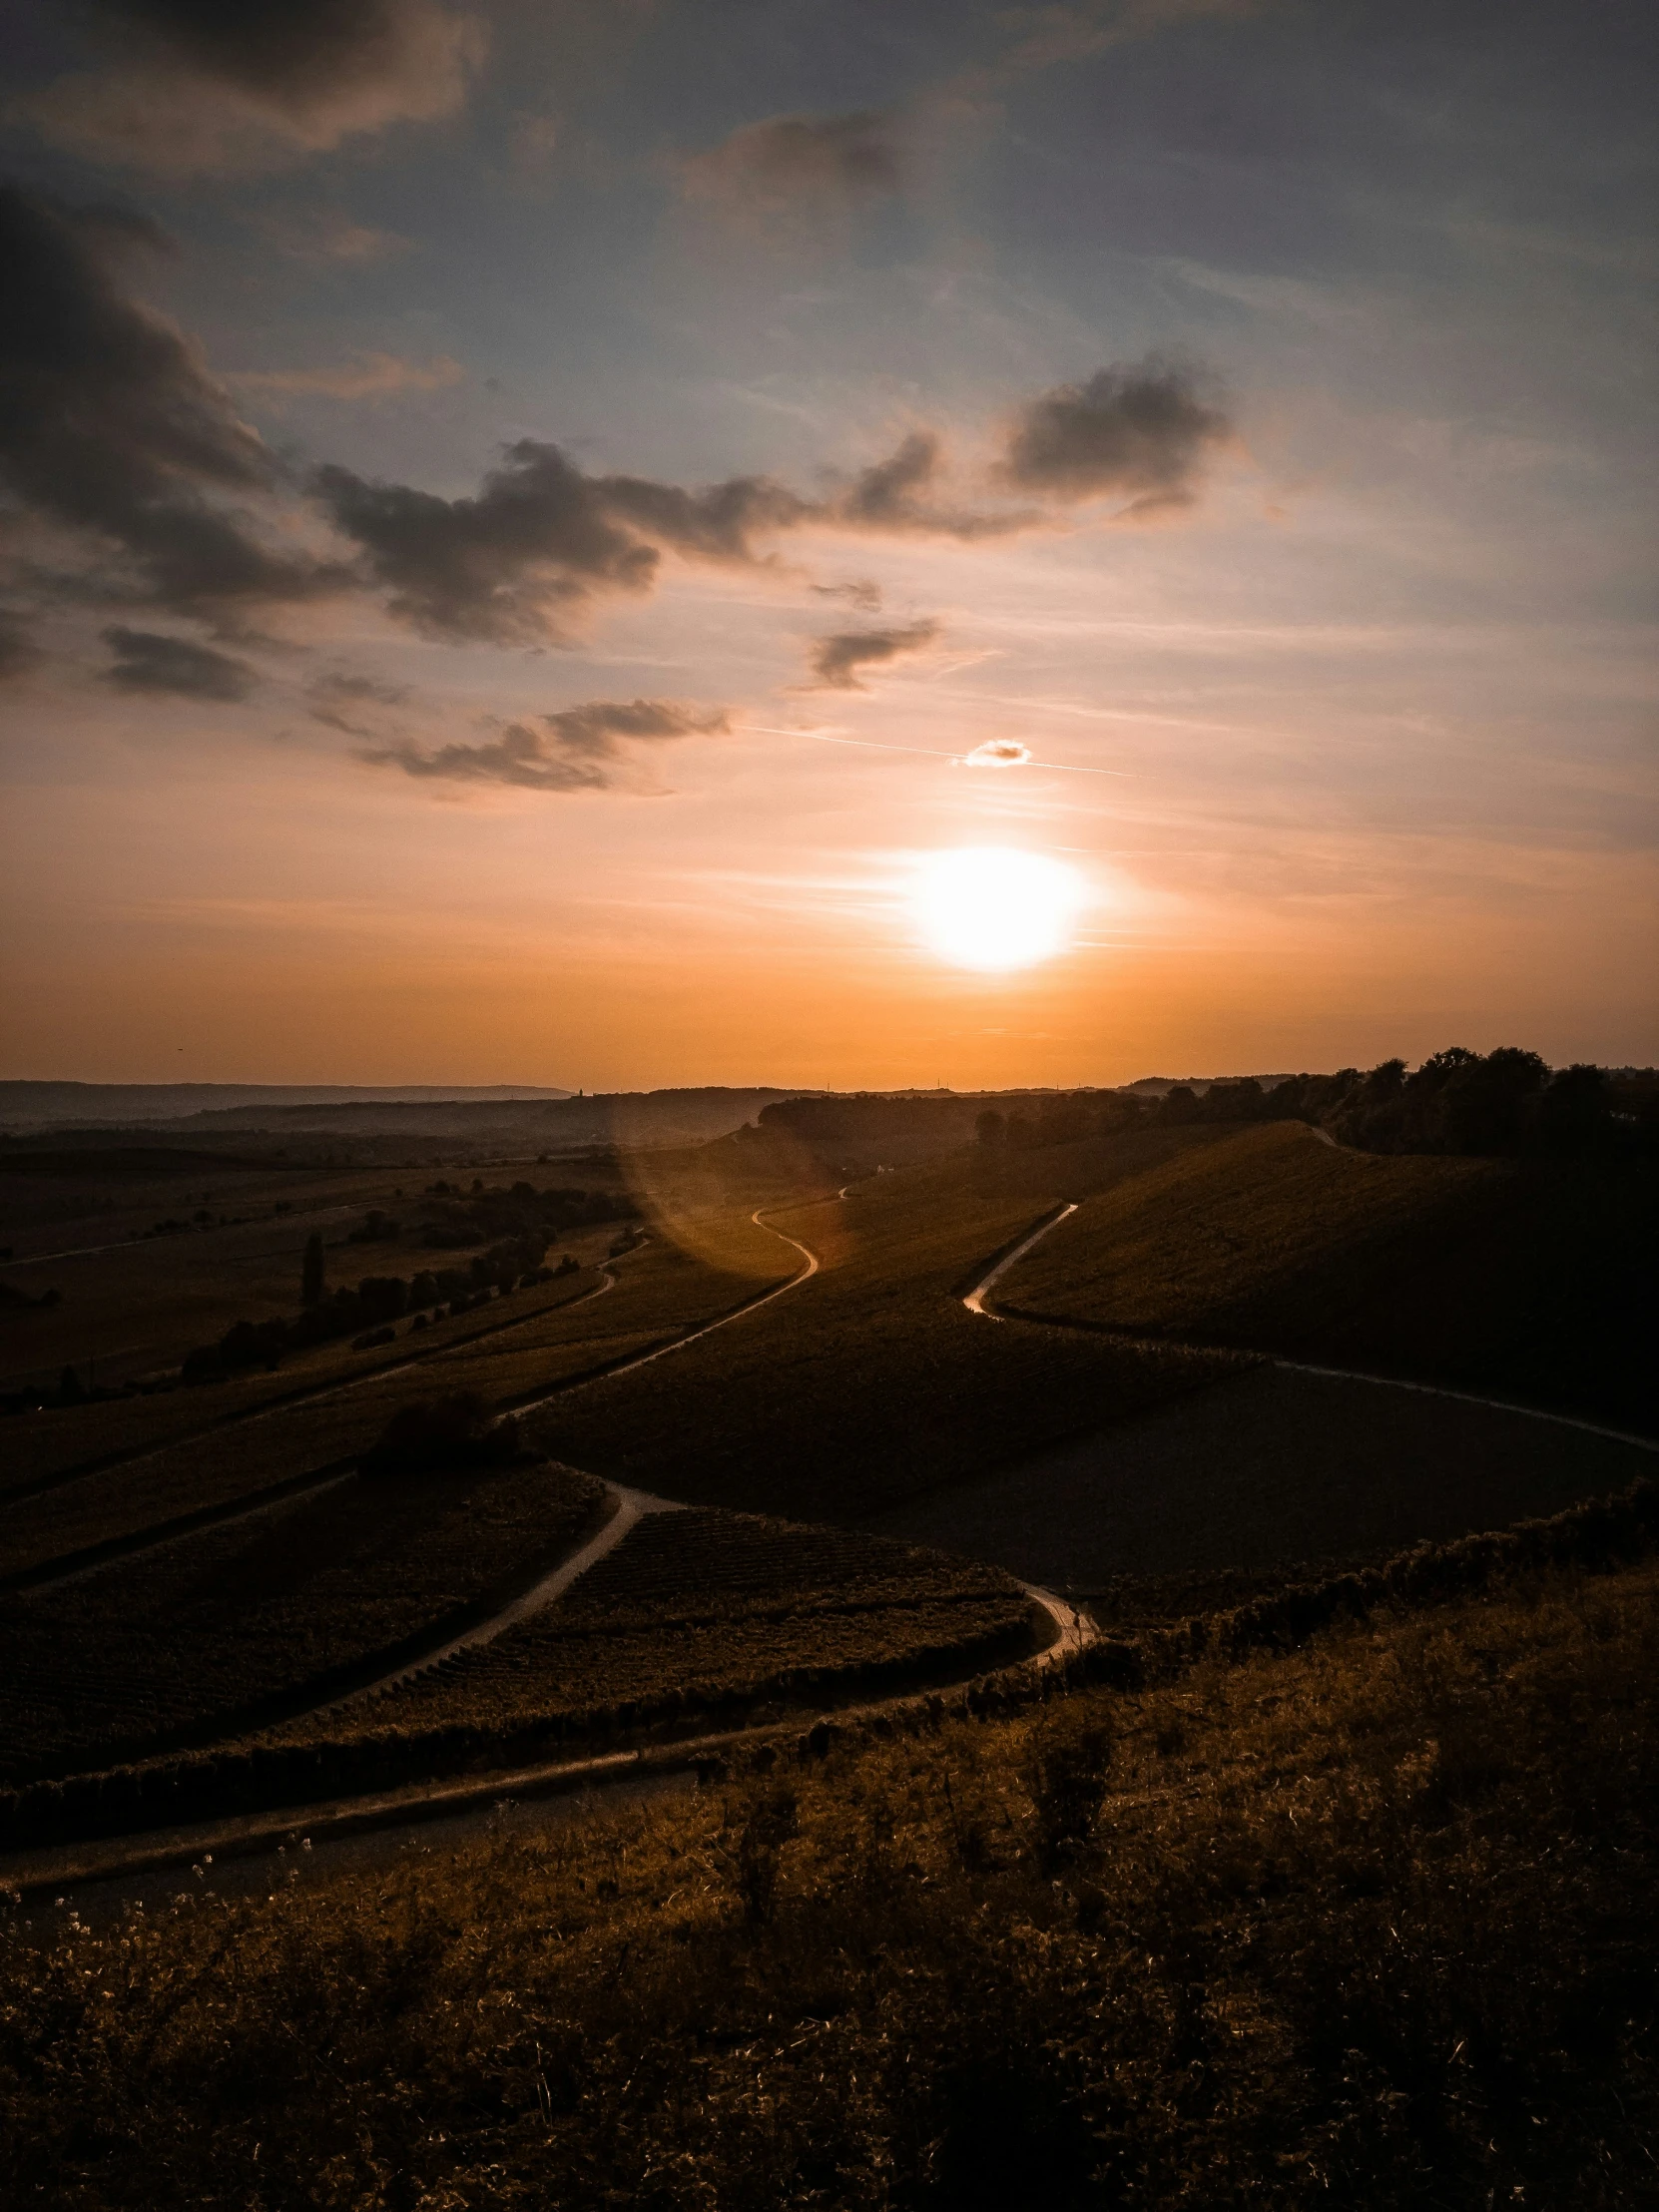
(1370, 1923)
(1526, 1279)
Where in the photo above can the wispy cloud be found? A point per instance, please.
(150, 661)
(577, 749)
(340, 698)
(836, 660)
(367, 377)
(794, 170)
(231, 89)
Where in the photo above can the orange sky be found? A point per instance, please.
(448, 509)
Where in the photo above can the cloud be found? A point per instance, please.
(796, 165)
(509, 566)
(149, 662)
(195, 87)
(836, 661)
(522, 562)
(577, 749)
(1049, 36)
(334, 698)
(998, 753)
(1142, 431)
(517, 564)
(369, 377)
(114, 431)
(18, 651)
(860, 592)
(895, 497)
(326, 235)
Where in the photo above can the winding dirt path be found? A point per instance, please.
(52, 1573)
(632, 1506)
(88, 1867)
(974, 1301)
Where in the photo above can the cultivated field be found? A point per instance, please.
(194, 1641)
(1527, 1280)
(659, 1289)
(870, 1383)
(244, 1575)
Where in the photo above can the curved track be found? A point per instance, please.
(52, 1573)
(1264, 1462)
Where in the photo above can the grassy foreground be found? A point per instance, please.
(1371, 1924)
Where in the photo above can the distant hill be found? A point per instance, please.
(26, 1105)
(345, 1125)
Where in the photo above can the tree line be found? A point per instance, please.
(1458, 1101)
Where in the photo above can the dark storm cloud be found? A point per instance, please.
(146, 661)
(110, 427)
(793, 163)
(1142, 431)
(577, 749)
(205, 84)
(836, 661)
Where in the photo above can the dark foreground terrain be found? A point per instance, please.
(1369, 1920)
(1313, 1863)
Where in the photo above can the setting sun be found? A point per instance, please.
(991, 907)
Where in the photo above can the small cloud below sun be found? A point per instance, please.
(998, 753)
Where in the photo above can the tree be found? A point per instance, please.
(989, 1127)
(310, 1271)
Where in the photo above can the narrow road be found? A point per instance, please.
(974, 1301)
(975, 1298)
(631, 1508)
(88, 1867)
(307, 1394)
(693, 1336)
(52, 1573)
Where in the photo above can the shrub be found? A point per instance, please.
(439, 1435)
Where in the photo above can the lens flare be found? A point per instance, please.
(995, 908)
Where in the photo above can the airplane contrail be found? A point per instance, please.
(933, 752)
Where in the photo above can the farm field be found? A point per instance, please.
(1371, 1920)
(696, 1619)
(870, 1383)
(1531, 1282)
(696, 1611)
(173, 1646)
(660, 1288)
(54, 1444)
(1265, 1472)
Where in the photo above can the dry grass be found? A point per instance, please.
(1369, 1924)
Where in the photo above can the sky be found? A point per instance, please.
(529, 533)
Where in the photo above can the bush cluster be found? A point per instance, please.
(377, 1301)
(457, 1218)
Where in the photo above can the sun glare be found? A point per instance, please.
(992, 907)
